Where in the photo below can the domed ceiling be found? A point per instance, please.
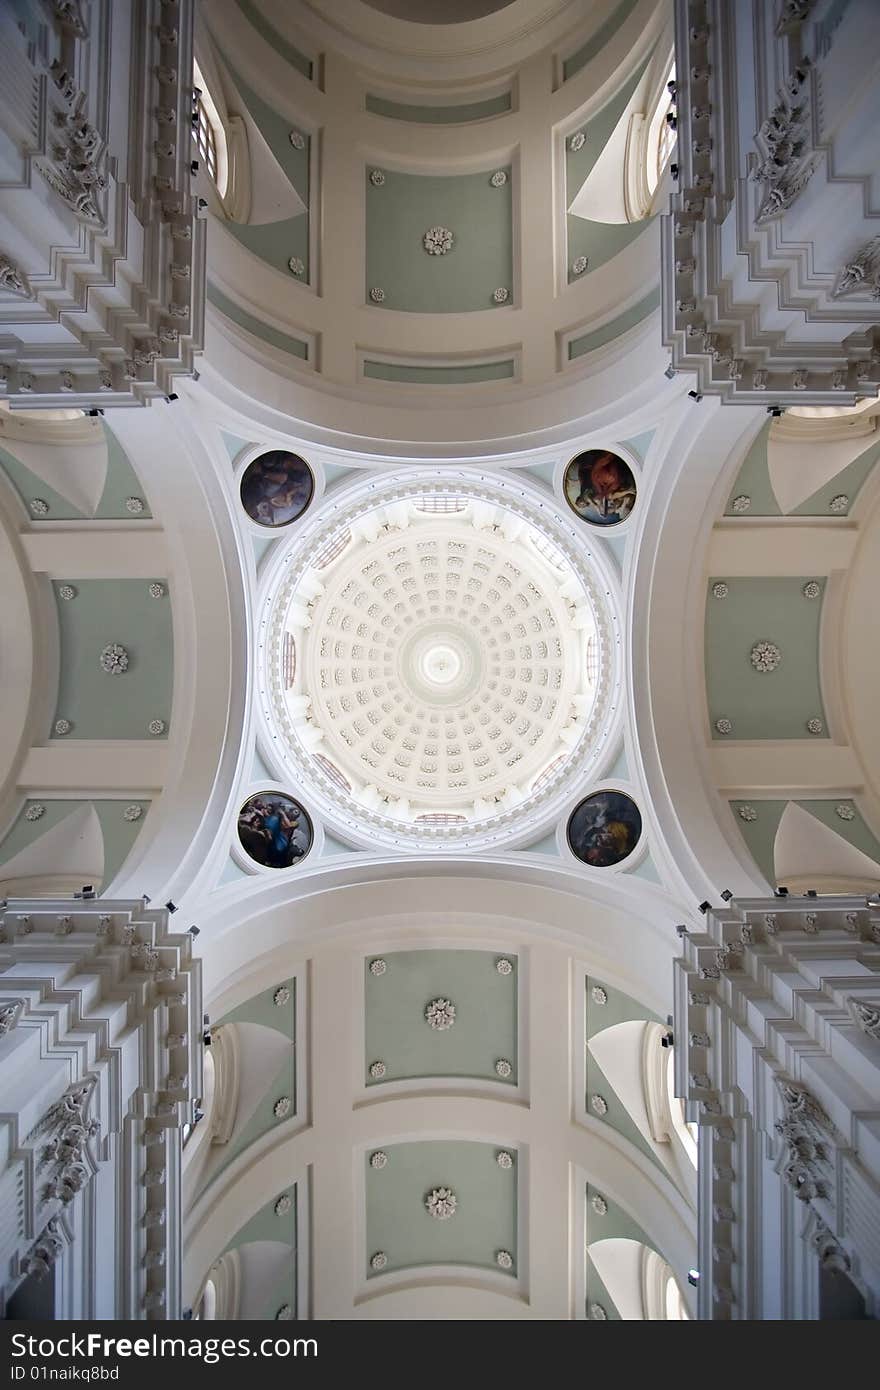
(430, 12)
(438, 658)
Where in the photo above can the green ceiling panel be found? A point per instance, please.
(297, 347)
(588, 342)
(268, 1224)
(619, 1008)
(612, 1224)
(587, 51)
(102, 706)
(764, 705)
(404, 207)
(595, 1291)
(459, 375)
(600, 242)
(276, 242)
(263, 1119)
(640, 444)
(440, 115)
(118, 833)
(28, 486)
(855, 832)
(275, 130)
(121, 483)
(848, 483)
(760, 833)
(399, 1225)
(291, 55)
(485, 1027)
(232, 443)
(263, 1009)
(753, 480)
(617, 1115)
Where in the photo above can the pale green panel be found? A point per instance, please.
(595, 1291)
(262, 1009)
(24, 832)
(231, 872)
(334, 471)
(398, 1222)
(282, 46)
(276, 242)
(297, 347)
(617, 1115)
(401, 210)
(760, 834)
(753, 480)
(855, 831)
(598, 241)
(620, 770)
(267, 1224)
(275, 130)
(613, 1224)
(772, 704)
(847, 483)
(544, 472)
(617, 545)
(231, 442)
(260, 544)
(620, 1008)
(547, 844)
(263, 1118)
(588, 342)
(459, 375)
(440, 115)
(640, 443)
(29, 486)
(119, 834)
(646, 868)
(121, 483)
(259, 771)
(597, 41)
(485, 1027)
(102, 706)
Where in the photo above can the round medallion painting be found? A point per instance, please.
(276, 488)
(274, 830)
(604, 829)
(600, 487)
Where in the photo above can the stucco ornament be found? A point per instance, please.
(815, 726)
(504, 1159)
(839, 504)
(438, 241)
(377, 1070)
(503, 966)
(378, 966)
(281, 1107)
(599, 1104)
(11, 278)
(747, 813)
(599, 1205)
(283, 1205)
(297, 139)
(499, 178)
(284, 1314)
(597, 1312)
(377, 178)
(724, 726)
(67, 592)
(579, 265)
(134, 505)
(741, 504)
(599, 995)
(156, 727)
(440, 1014)
(281, 996)
(501, 295)
(62, 727)
(441, 1203)
(379, 1260)
(34, 811)
(577, 141)
(811, 589)
(157, 590)
(503, 1068)
(114, 659)
(720, 591)
(132, 812)
(379, 1159)
(765, 656)
(377, 294)
(39, 506)
(844, 811)
(504, 1259)
(296, 266)
(867, 1016)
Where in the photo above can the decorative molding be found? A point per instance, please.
(39, 506)
(10, 1013)
(67, 592)
(839, 505)
(499, 178)
(579, 265)
(765, 656)
(861, 275)
(377, 294)
(720, 590)
(296, 266)
(504, 966)
(378, 966)
(281, 996)
(815, 726)
(379, 1159)
(34, 811)
(156, 727)
(599, 995)
(867, 1016)
(438, 241)
(724, 726)
(844, 811)
(283, 1204)
(377, 178)
(378, 1261)
(599, 1205)
(741, 504)
(504, 1259)
(503, 1068)
(12, 280)
(62, 727)
(441, 1203)
(281, 1108)
(377, 1070)
(134, 505)
(598, 1104)
(440, 1014)
(297, 139)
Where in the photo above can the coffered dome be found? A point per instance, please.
(438, 660)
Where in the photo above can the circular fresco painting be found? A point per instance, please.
(600, 487)
(274, 830)
(276, 488)
(604, 828)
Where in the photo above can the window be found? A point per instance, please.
(209, 133)
(661, 135)
(204, 138)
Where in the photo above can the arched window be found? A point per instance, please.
(661, 134)
(685, 1133)
(209, 133)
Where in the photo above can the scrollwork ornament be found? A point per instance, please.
(157, 590)
(67, 592)
(724, 726)
(501, 295)
(39, 506)
(156, 727)
(577, 141)
(815, 726)
(297, 139)
(296, 266)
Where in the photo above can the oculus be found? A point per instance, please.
(274, 830)
(276, 488)
(599, 486)
(604, 829)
